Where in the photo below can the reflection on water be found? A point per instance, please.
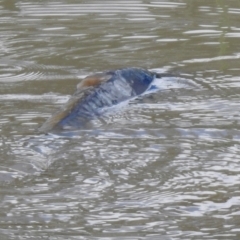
(165, 166)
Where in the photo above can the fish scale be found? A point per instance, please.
(88, 102)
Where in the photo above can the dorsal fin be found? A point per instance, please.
(94, 80)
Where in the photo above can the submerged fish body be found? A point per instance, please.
(97, 92)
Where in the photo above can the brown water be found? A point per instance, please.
(166, 167)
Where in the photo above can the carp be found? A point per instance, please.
(97, 92)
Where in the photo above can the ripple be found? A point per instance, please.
(55, 8)
(202, 31)
(164, 4)
(14, 71)
(39, 98)
(204, 60)
(212, 207)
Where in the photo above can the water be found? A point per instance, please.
(166, 166)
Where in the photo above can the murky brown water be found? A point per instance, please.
(167, 167)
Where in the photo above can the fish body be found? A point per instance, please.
(99, 91)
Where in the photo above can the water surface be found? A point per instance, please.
(165, 166)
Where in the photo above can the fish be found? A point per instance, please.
(97, 92)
